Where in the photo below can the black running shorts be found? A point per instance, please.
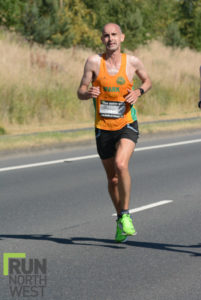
(106, 140)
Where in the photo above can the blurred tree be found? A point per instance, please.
(189, 20)
(172, 36)
(197, 27)
(126, 13)
(10, 12)
(60, 22)
(139, 20)
(38, 20)
(75, 25)
(79, 22)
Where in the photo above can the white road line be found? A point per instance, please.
(148, 206)
(95, 156)
(46, 163)
(81, 157)
(168, 145)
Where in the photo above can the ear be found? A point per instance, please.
(122, 37)
(102, 38)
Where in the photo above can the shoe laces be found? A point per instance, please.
(128, 218)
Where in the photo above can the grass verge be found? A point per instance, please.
(61, 139)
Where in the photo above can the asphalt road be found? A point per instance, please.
(62, 213)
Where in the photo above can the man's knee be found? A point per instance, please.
(113, 181)
(121, 166)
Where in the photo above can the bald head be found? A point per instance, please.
(110, 25)
(112, 37)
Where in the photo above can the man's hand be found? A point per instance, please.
(85, 93)
(94, 91)
(132, 96)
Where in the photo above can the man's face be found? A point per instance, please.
(112, 37)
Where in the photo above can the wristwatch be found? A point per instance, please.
(141, 91)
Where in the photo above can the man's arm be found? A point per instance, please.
(84, 92)
(132, 96)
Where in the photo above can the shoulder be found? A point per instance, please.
(134, 61)
(93, 60)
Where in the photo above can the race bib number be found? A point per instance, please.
(112, 109)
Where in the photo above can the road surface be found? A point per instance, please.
(61, 212)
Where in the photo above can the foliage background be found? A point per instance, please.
(69, 23)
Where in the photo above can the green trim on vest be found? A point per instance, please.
(133, 110)
(133, 113)
(94, 102)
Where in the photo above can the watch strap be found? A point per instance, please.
(141, 91)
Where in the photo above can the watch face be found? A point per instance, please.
(141, 91)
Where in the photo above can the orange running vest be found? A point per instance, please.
(112, 112)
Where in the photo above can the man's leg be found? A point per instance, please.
(112, 177)
(119, 185)
(109, 165)
(124, 152)
(125, 148)
(119, 181)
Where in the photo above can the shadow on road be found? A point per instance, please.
(87, 241)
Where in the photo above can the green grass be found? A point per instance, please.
(41, 140)
(55, 139)
(2, 131)
(168, 127)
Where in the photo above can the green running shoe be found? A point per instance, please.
(120, 236)
(127, 225)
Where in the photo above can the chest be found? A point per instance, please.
(109, 71)
(112, 69)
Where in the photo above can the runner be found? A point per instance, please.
(116, 127)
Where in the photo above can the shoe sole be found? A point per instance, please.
(132, 234)
(128, 234)
(121, 242)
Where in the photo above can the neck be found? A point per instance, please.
(113, 56)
